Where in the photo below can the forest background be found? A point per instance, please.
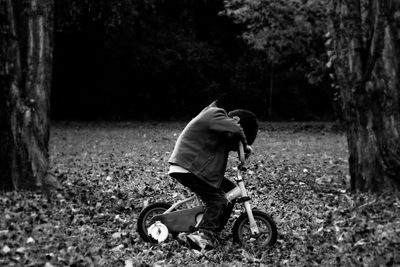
(165, 60)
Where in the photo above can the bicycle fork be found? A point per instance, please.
(240, 193)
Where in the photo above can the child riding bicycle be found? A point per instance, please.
(199, 161)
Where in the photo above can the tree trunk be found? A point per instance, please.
(26, 61)
(366, 62)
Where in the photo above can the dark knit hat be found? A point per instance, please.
(248, 121)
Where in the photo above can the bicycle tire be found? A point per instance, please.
(266, 225)
(145, 217)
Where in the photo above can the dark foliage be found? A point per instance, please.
(164, 60)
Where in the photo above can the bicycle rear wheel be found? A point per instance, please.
(145, 216)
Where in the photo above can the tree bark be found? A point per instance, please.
(366, 62)
(26, 62)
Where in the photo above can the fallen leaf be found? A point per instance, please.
(118, 248)
(5, 249)
(116, 235)
(21, 250)
(129, 263)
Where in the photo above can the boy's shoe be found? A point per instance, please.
(200, 241)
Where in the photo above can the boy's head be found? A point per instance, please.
(248, 121)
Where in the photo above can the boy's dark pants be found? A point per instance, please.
(217, 207)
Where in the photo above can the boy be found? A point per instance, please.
(199, 162)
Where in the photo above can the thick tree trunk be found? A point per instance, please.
(367, 69)
(26, 59)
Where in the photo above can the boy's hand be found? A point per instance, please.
(247, 151)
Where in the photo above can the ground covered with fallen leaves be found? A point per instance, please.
(110, 171)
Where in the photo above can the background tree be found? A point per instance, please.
(290, 34)
(26, 60)
(365, 55)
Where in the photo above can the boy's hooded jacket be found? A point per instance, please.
(203, 146)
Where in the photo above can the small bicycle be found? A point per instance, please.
(253, 228)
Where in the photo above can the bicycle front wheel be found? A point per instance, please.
(266, 225)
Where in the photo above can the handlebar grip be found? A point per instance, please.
(242, 158)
